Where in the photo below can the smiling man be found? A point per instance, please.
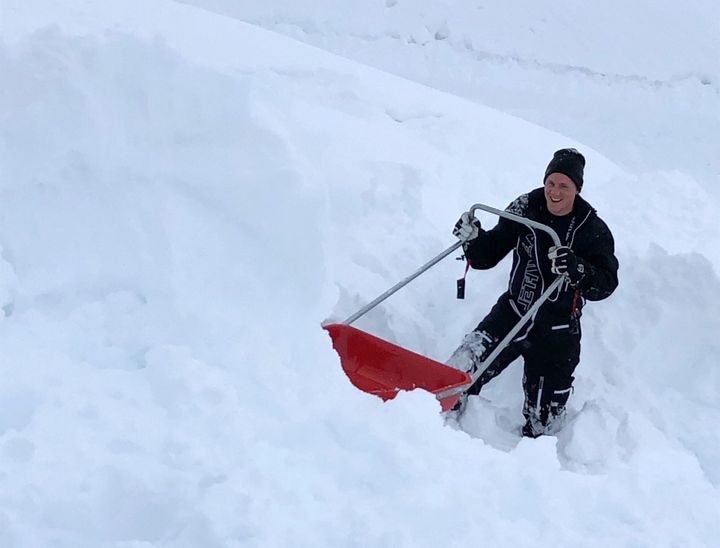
(550, 343)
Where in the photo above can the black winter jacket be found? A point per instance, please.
(582, 230)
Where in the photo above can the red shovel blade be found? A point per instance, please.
(381, 368)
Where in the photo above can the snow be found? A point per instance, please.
(639, 82)
(186, 195)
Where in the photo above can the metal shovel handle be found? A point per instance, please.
(519, 219)
(506, 341)
(531, 311)
(432, 262)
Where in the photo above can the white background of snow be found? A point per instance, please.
(184, 198)
(638, 81)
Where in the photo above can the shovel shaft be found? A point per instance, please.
(432, 262)
(503, 343)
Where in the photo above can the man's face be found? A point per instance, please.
(560, 192)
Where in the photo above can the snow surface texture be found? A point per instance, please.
(185, 197)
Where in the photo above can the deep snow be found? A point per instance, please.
(185, 197)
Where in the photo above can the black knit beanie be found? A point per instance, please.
(570, 162)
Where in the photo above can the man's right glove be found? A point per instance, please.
(564, 261)
(467, 228)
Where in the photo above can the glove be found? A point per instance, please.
(564, 261)
(467, 228)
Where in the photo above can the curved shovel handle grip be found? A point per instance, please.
(518, 219)
(528, 315)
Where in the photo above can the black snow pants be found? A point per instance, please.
(550, 350)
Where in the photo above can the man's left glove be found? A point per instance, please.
(467, 228)
(564, 261)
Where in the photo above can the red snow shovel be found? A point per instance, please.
(379, 367)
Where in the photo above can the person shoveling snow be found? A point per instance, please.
(550, 342)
